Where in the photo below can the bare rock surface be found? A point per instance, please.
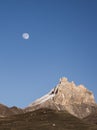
(77, 100)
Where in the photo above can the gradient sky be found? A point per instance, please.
(62, 43)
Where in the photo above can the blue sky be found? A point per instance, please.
(62, 43)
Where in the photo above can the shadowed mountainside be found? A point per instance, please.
(44, 119)
(91, 119)
(6, 111)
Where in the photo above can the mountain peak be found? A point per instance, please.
(68, 92)
(77, 100)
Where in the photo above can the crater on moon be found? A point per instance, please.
(25, 36)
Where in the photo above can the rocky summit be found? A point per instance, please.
(77, 100)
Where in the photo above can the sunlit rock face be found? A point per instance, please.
(77, 100)
(69, 93)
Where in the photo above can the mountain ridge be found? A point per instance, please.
(65, 107)
(77, 100)
(66, 96)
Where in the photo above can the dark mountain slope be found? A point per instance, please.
(6, 111)
(44, 119)
(91, 119)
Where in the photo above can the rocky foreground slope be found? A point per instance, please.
(77, 100)
(44, 119)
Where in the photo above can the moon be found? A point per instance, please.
(25, 36)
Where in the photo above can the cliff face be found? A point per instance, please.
(68, 93)
(77, 100)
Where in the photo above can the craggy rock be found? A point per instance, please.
(77, 100)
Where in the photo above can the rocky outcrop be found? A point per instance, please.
(77, 100)
(68, 93)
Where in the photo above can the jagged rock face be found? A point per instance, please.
(77, 100)
(68, 93)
